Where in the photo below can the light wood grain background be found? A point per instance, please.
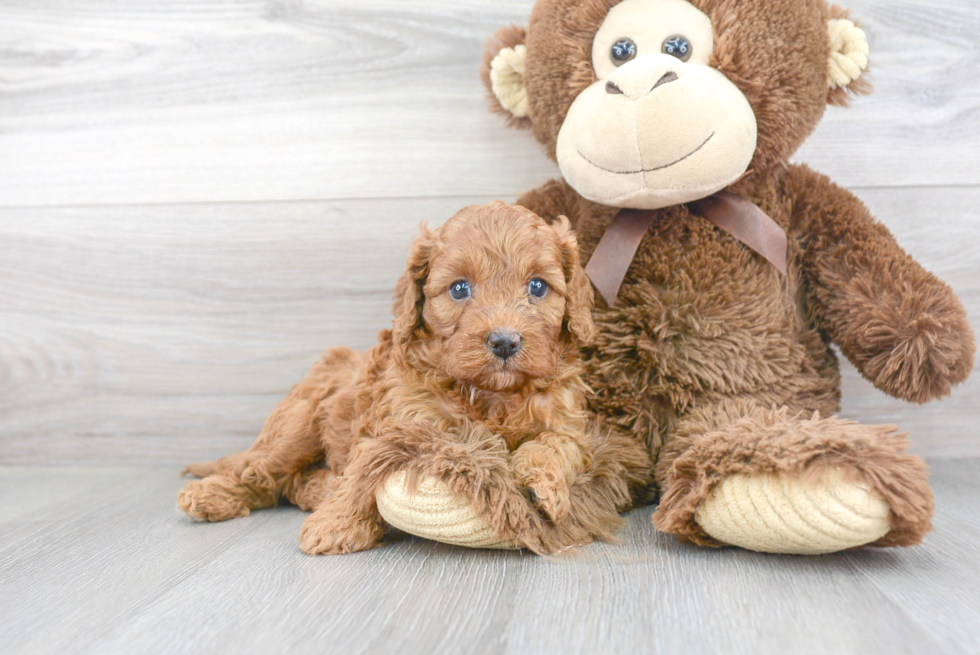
(196, 197)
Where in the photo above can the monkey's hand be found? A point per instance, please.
(902, 327)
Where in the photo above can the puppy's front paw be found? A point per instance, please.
(324, 535)
(215, 498)
(539, 470)
(551, 497)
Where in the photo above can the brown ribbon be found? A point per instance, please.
(739, 217)
(612, 257)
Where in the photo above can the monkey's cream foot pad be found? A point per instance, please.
(785, 514)
(435, 512)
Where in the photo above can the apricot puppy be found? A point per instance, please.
(481, 366)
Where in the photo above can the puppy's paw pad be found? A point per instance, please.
(325, 537)
(549, 494)
(208, 500)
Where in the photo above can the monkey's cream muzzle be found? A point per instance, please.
(656, 132)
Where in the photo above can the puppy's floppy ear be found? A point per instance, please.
(409, 294)
(578, 289)
(502, 73)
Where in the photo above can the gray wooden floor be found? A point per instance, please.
(97, 560)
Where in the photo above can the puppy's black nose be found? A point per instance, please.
(504, 343)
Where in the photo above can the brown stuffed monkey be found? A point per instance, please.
(672, 123)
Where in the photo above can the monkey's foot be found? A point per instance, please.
(435, 512)
(783, 513)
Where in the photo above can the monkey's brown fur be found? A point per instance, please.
(432, 399)
(710, 356)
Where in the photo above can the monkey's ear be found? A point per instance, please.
(409, 291)
(848, 58)
(503, 75)
(578, 289)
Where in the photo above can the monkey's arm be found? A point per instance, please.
(902, 327)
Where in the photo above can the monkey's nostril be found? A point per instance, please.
(666, 79)
(504, 343)
(612, 88)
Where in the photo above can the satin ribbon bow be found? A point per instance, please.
(741, 218)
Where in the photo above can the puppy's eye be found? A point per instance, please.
(537, 287)
(459, 290)
(678, 46)
(622, 51)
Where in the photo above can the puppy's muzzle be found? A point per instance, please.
(504, 343)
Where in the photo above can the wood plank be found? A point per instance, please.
(31, 503)
(938, 228)
(103, 101)
(423, 597)
(167, 333)
(129, 574)
(869, 144)
(116, 319)
(68, 573)
(911, 580)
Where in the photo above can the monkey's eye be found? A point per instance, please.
(459, 290)
(678, 46)
(622, 51)
(537, 287)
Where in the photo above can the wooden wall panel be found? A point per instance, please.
(197, 197)
(167, 332)
(140, 101)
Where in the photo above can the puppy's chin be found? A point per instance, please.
(487, 375)
(501, 380)
(491, 374)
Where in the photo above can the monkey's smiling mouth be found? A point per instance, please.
(646, 170)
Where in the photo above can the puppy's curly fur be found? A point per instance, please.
(432, 398)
